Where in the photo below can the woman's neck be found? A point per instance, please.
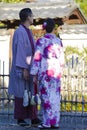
(50, 32)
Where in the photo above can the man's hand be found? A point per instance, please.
(35, 79)
(26, 74)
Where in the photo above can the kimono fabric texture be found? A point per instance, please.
(47, 64)
(21, 49)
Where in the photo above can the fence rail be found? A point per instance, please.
(73, 92)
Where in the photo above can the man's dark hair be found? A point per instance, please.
(24, 13)
(50, 25)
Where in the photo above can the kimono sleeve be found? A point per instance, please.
(37, 59)
(21, 52)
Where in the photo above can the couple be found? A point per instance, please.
(43, 59)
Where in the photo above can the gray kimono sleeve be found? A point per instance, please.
(21, 52)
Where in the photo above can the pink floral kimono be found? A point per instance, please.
(47, 64)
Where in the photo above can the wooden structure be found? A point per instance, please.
(61, 12)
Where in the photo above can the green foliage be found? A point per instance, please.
(12, 1)
(83, 6)
(74, 50)
(2, 25)
(69, 50)
(74, 106)
(81, 1)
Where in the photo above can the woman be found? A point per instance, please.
(22, 51)
(47, 64)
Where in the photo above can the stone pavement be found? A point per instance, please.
(15, 127)
(7, 127)
(67, 123)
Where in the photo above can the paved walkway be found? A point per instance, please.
(7, 127)
(66, 123)
(15, 127)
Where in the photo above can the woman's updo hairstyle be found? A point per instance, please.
(49, 25)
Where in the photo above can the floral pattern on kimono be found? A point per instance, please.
(47, 64)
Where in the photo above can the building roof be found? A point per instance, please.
(76, 29)
(74, 35)
(40, 10)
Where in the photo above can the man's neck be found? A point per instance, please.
(26, 25)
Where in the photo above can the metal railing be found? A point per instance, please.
(6, 102)
(73, 92)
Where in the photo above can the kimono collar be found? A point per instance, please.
(30, 36)
(49, 35)
(24, 27)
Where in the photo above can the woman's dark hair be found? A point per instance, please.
(50, 24)
(24, 13)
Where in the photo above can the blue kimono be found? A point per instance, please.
(21, 50)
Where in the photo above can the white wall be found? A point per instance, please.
(4, 55)
(75, 40)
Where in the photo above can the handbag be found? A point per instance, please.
(35, 100)
(30, 99)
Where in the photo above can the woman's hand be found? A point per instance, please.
(26, 74)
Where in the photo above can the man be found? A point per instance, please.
(22, 52)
